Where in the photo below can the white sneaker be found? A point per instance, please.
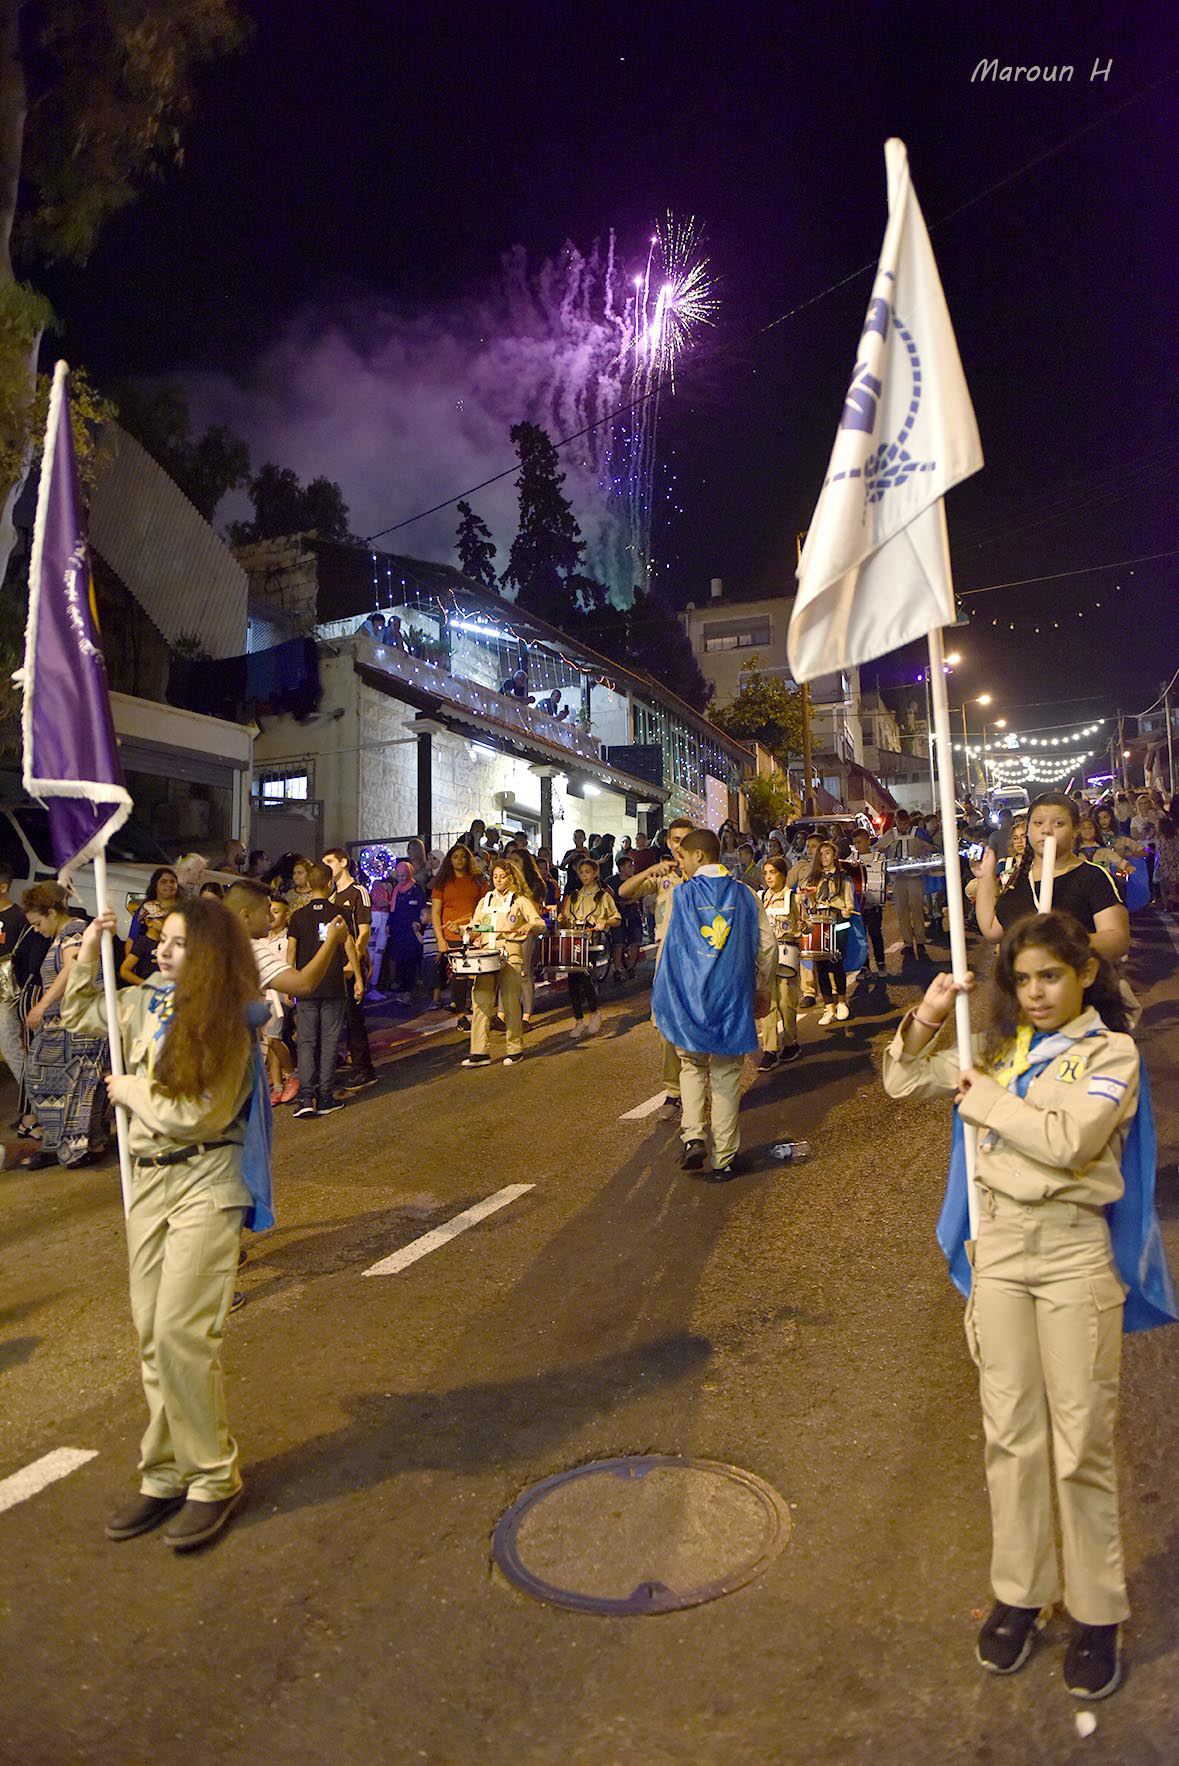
(841, 1010)
(593, 1023)
(826, 1015)
(578, 1031)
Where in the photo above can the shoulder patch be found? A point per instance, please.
(1106, 1085)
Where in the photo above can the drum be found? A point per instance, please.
(476, 962)
(819, 941)
(569, 948)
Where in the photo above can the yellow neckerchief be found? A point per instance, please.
(1015, 1059)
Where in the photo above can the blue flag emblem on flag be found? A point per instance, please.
(703, 993)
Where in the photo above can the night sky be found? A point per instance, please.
(362, 154)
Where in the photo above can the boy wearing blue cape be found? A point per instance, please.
(1067, 1254)
(718, 963)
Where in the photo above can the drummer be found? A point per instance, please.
(503, 920)
(829, 894)
(591, 909)
(778, 1030)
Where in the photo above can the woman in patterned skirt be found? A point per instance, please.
(64, 1072)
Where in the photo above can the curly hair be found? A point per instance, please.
(45, 898)
(446, 872)
(1066, 939)
(209, 1043)
(512, 867)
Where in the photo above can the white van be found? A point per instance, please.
(1014, 798)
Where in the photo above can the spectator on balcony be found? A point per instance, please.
(394, 636)
(374, 627)
(516, 685)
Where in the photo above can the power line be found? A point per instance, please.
(1057, 575)
(760, 331)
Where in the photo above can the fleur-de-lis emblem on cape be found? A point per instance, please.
(717, 933)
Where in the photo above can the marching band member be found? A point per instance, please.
(592, 908)
(869, 870)
(661, 880)
(778, 1030)
(505, 918)
(1067, 1252)
(903, 846)
(828, 894)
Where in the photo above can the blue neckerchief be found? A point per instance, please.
(703, 994)
(1133, 1224)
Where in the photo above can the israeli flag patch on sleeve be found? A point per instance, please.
(1104, 1085)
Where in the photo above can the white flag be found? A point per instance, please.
(875, 570)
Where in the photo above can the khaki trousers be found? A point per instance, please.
(908, 900)
(510, 980)
(669, 1068)
(721, 1074)
(1045, 1326)
(783, 1009)
(183, 1236)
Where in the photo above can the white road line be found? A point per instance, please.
(1169, 923)
(641, 1110)
(450, 1229)
(44, 1471)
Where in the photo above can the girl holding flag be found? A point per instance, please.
(195, 1089)
(1067, 1241)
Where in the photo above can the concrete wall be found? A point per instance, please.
(330, 741)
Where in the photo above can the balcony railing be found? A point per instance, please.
(478, 701)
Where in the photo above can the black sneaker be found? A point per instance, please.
(692, 1157)
(464, 1023)
(239, 1299)
(327, 1106)
(725, 1173)
(307, 1108)
(358, 1082)
(1005, 1641)
(668, 1110)
(1093, 1662)
(767, 1063)
(477, 1061)
(141, 1515)
(790, 1053)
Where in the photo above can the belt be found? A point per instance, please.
(182, 1154)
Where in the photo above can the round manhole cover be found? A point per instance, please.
(642, 1534)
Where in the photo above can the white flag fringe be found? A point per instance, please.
(875, 571)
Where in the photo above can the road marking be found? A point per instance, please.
(641, 1110)
(44, 1471)
(450, 1229)
(1169, 925)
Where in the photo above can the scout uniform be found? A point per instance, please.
(782, 913)
(189, 1201)
(1044, 1321)
(663, 888)
(504, 921)
(908, 888)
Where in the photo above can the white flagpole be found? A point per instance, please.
(114, 1037)
(1047, 874)
(949, 820)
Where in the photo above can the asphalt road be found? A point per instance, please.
(797, 1322)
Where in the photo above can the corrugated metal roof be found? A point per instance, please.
(182, 574)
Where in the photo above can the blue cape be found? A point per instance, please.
(256, 1146)
(703, 994)
(1133, 1224)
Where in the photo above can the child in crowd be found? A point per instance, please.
(1053, 1090)
(505, 918)
(591, 909)
(1166, 866)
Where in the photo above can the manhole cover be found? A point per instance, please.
(642, 1534)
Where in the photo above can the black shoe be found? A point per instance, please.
(725, 1173)
(668, 1110)
(326, 1106)
(239, 1299)
(464, 1023)
(692, 1157)
(497, 1023)
(358, 1082)
(808, 1000)
(1005, 1641)
(1093, 1662)
(142, 1515)
(767, 1063)
(477, 1061)
(306, 1108)
(790, 1053)
(921, 955)
(198, 1522)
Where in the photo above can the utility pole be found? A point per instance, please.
(1121, 750)
(1170, 744)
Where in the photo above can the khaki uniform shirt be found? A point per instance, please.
(1064, 1140)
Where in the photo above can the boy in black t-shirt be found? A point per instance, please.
(354, 902)
(319, 1013)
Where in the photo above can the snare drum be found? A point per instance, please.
(568, 949)
(476, 962)
(819, 941)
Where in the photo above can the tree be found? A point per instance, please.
(476, 549)
(283, 506)
(648, 637)
(771, 802)
(158, 417)
(548, 546)
(766, 710)
(93, 97)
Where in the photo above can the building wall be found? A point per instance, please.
(753, 628)
(329, 741)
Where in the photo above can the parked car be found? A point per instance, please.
(131, 856)
(843, 824)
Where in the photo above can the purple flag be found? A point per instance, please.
(71, 758)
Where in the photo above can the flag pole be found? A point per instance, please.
(947, 811)
(114, 1037)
